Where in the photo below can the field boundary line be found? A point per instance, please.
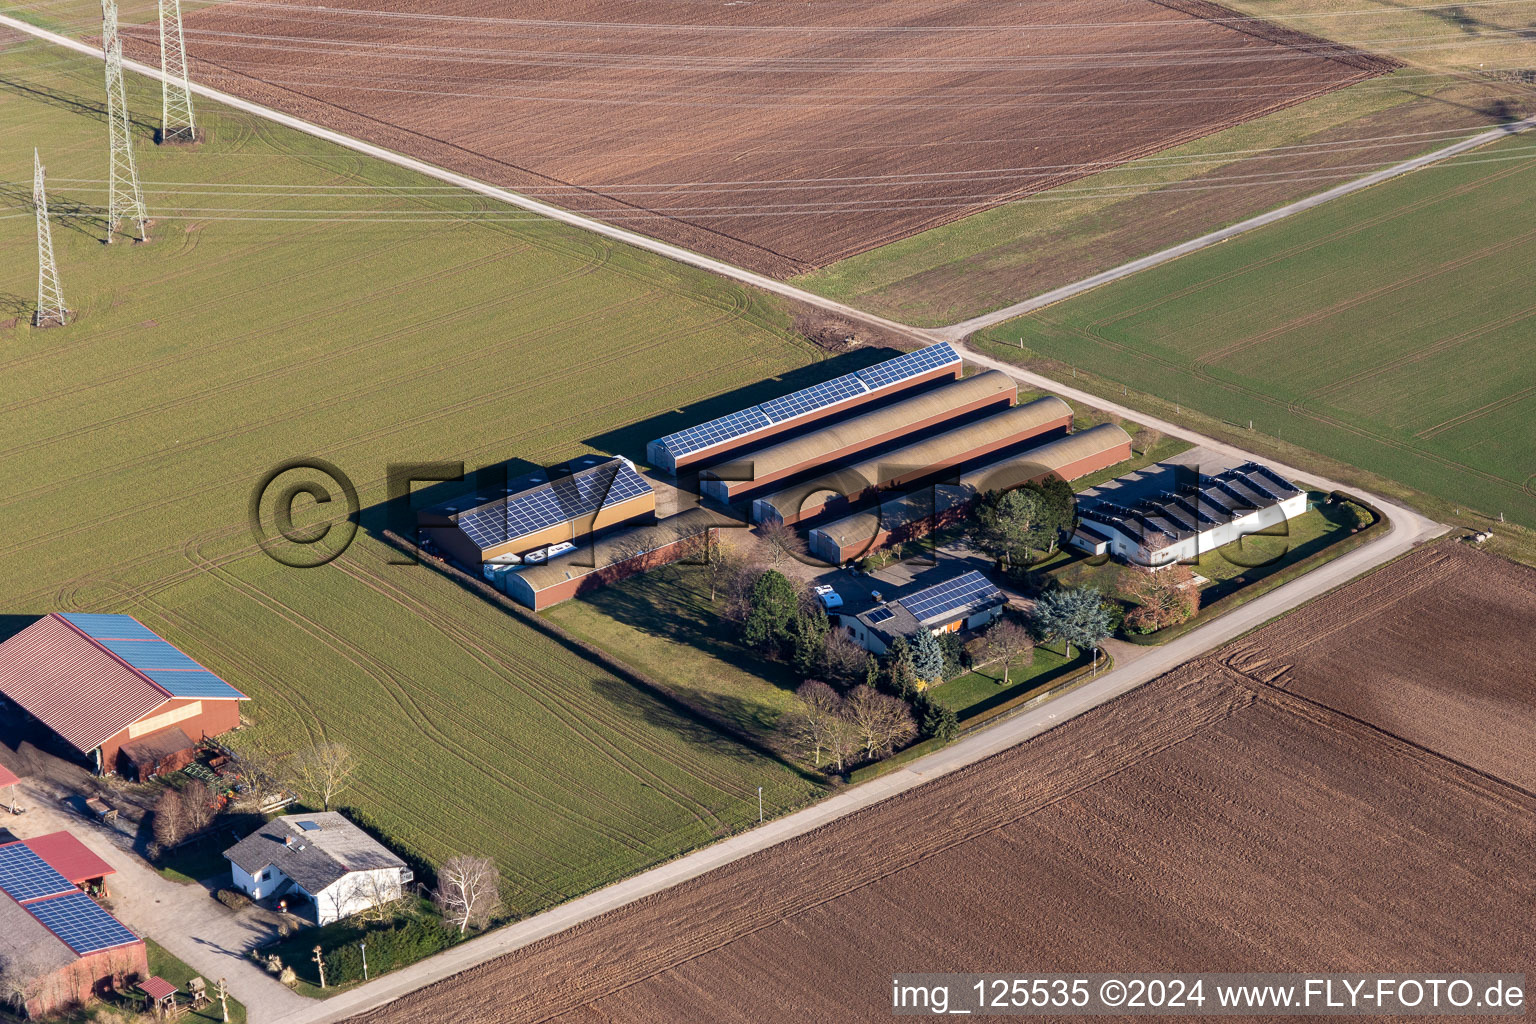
(675, 253)
(959, 331)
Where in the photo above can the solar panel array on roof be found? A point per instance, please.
(779, 410)
(716, 431)
(26, 876)
(84, 926)
(910, 365)
(952, 596)
(880, 614)
(162, 662)
(826, 393)
(559, 501)
(117, 627)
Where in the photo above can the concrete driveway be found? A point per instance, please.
(185, 919)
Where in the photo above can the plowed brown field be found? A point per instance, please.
(1207, 821)
(778, 136)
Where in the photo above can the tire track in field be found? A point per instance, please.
(414, 375)
(1312, 242)
(584, 414)
(1200, 365)
(468, 640)
(623, 725)
(367, 665)
(520, 387)
(1476, 414)
(1419, 355)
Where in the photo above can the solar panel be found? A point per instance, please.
(880, 614)
(956, 594)
(84, 926)
(121, 627)
(200, 683)
(150, 654)
(26, 876)
(309, 826)
(560, 501)
(910, 365)
(801, 402)
(716, 431)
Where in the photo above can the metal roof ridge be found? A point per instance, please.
(117, 658)
(140, 672)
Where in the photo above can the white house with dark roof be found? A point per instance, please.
(320, 857)
(945, 601)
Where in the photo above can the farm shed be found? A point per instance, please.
(100, 682)
(911, 516)
(944, 601)
(845, 487)
(61, 946)
(538, 510)
(1174, 512)
(612, 558)
(322, 858)
(755, 470)
(724, 435)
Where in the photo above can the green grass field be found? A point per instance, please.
(1003, 255)
(1390, 330)
(135, 437)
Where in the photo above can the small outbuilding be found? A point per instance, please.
(322, 858)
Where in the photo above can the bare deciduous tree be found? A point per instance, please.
(170, 822)
(819, 716)
(468, 891)
(1010, 643)
(265, 770)
(881, 721)
(781, 542)
(1148, 438)
(324, 771)
(843, 657)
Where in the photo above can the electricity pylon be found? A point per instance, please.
(124, 198)
(176, 123)
(50, 299)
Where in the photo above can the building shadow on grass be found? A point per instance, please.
(630, 440)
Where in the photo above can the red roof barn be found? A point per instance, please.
(115, 691)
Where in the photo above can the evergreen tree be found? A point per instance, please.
(1075, 615)
(940, 721)
(772, 609)
(808, 639)
(927, 657)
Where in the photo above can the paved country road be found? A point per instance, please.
(187, 921)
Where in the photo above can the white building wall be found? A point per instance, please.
(356, 892)
(255, 886)
(1190, 549)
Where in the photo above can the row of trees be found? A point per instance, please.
(839, 730)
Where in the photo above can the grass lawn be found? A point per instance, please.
(197, 860)
(1000, 256)
(135, 437)
(664, 624)
(1389, 330)
(980, 690)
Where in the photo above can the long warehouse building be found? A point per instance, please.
(912, 516)
(611, 558)
(844, 488)
(725, 435)
(755, 471)
(539, 511)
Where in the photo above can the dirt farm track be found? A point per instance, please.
(1207, 821)
(878, 122)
